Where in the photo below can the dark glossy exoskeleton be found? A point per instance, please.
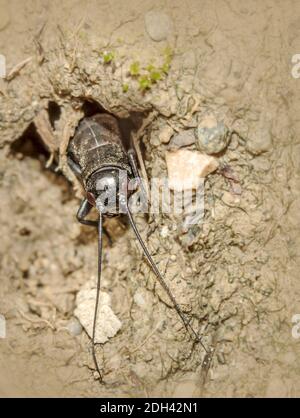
(98, 158)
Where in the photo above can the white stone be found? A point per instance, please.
(139, 299)
(164, 232)
(74, 327)
(186, 168)
(107, 322)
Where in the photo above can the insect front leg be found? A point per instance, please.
(74, 167)
(84, 209)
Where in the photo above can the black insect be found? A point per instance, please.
(97, 156)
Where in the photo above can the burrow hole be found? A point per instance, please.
(31, 145)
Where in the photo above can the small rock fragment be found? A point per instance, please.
(212, 136)
(182, 139)
(139, 299)
(230, 199)
(74, 327)
(259, 140)
(165, 134)
(158, 25)
(186, 168)
(107, 322)
(164, 232)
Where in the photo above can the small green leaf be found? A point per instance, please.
(108, 57)
(165, 67)
(144, 83)
(150, 68)
(155, 76)
(134, 69)
(125, 88)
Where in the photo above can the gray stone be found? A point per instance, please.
(260, 140)
(158, 25)
(182, 139)
(212, 135)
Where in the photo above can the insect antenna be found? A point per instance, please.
(162, 282)
(100, 228)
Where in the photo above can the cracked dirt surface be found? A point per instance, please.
(236, 273)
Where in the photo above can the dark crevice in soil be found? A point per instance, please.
(30, 145)
(54, 111)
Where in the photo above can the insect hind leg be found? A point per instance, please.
(164, 285)
(141, 183)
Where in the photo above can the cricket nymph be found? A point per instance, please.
(98, 158)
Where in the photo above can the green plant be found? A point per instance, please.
(125, 87)
(168, 56)
(108, 57)
(165, 68)
(134, 69)
(144, 82)
(154, 73)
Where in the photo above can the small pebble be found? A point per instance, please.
(165, 134)
(259, 141)
(96, 375)
(139, 299)
(74, 327)
(212, 135)
(164, 231)
(230, 199)
(182, 139)
(158, 25)
(148, 357)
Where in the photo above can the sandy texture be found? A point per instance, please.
(236, 274)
